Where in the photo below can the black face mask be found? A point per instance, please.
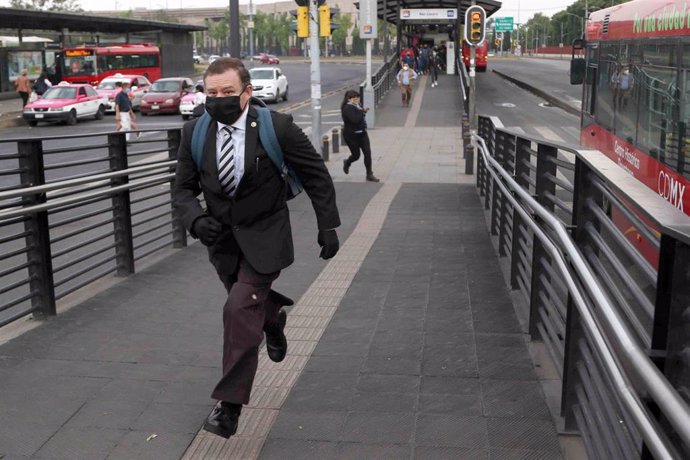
(224, 109)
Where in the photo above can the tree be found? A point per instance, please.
(164, 16)
(48, 5)
(340, 35)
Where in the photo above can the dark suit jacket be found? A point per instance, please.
(354, 119)
(255, 221)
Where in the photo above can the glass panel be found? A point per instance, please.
(605, 85)
(658, 103)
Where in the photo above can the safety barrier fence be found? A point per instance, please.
(603, 266)
(74, 209)
(382, 80)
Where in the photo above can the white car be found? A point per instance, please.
(212, 58)
(66, 103)
(269, 83)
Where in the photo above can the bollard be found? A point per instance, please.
(324, 148)
(335, 134)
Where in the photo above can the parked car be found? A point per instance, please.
(138, 83)
(187, 101)
(66, 103)
(212, 58)
(165, 94)
(269, 83)
(268, 59)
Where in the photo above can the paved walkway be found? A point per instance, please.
(405, 345)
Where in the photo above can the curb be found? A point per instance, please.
(553, 100)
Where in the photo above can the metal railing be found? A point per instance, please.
(382, 80)
(73, 210)
(602, 263)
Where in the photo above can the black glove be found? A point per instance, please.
(207, 229)
(328, 240)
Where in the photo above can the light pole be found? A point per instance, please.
(251, 34)
(582, 21)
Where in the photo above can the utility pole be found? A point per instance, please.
(234, 24)
(315, 75)
(250, 26)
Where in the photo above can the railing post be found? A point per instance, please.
(522, 160)
(506, 155)
(545, 153)
(671, 327)
(122, 212)
(583, 191)
(495, 207)
(39, 255)
(179, 232)
(336, 140)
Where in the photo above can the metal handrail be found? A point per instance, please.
(674, 407)
(82, 180)
(20, 211)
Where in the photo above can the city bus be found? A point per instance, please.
(91, 64)
(636, 97)
(481, 55)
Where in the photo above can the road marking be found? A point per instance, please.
(549, 134)
(417, 97)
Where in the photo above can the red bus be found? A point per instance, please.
(480, 59)
(91, 64)
(636, 97)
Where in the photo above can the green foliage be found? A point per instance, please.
(72, 6)
(340, 35)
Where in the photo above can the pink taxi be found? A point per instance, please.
(67, 103)
(138, 85)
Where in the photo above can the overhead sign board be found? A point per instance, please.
(367, 18)
(429, 13)
(503, 24)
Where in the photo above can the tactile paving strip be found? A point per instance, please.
(306, 323)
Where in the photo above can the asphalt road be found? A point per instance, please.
(517, 107)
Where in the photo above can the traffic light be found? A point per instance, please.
(302, 15)
(475, 16)
(326, 24)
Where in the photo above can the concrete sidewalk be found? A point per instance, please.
(405, 345)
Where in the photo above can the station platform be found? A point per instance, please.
(406, 345)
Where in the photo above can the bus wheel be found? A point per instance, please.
(72, 119)
(100, 113)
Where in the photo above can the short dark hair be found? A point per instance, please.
(222, 65)
(118, 83)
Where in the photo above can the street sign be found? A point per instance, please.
(367, 19)
(504, 24)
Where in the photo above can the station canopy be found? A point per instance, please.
(393, 7)
(23, 19)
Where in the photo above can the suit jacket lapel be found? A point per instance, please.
(210, 163)
(251, 143)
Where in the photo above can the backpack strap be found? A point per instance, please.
(199, 138)
(267, 134)
(269, 140)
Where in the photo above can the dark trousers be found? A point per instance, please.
(244, 315)
(434, 73)
(25, 97)
(356, 143)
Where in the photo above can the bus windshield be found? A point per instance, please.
(79, 62)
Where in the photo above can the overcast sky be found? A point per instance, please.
(526, 8)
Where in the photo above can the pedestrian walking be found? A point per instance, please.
(246, 221)
(23, 86)
(124, 115)
(41, 84)
(355, 133)
(199, 101)
(433, 69)
(405, 78)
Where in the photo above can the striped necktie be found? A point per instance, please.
(226, 163)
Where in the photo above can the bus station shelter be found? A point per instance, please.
(47, 33)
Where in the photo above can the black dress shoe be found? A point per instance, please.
(346, 166)
(222, 422)
(372, 178)
(276, 342)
